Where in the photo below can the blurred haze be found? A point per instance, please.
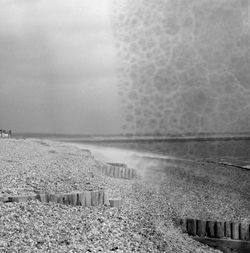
(57, 67)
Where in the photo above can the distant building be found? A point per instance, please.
(5, 134)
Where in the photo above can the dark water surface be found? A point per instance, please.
(230, 148)
(234, 151)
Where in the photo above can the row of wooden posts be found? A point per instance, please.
(5, 133)
(119, 170)
(215, 229)
(85, 198)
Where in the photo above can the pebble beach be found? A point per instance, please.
(144, 222)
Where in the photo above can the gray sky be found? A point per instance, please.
(57, 67)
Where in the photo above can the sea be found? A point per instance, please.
(230, 148)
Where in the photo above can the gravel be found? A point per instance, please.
(202, 190)
(29, 165)
(140, 225)
(143, 224)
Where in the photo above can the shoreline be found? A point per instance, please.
(150, 203)
(208, 174)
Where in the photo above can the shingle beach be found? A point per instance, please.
(144, 223)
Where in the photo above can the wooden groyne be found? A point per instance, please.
(85, 198)
(225, 235)
(119, 170)
(215, 229)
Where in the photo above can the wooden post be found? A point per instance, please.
(87, 195)
(94, 198)
(115, 203)
(59, 198)
(51, 198)
(116, 171)
(105, 198)
(81, 199)
(227, 229)
(219, 229)
(65, 200)
(130, 173)
(210, 229)
(100, 197)
(191, 226)
(235, 230)
(201, 228)
(127, 173)
(113, 171)
(110, 174)
(244, 231)
(71, 199)
(42, 197)
(134, 174)
(122, 172)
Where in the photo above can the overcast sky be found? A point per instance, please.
(57, 67)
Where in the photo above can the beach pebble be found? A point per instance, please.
(144, 223)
